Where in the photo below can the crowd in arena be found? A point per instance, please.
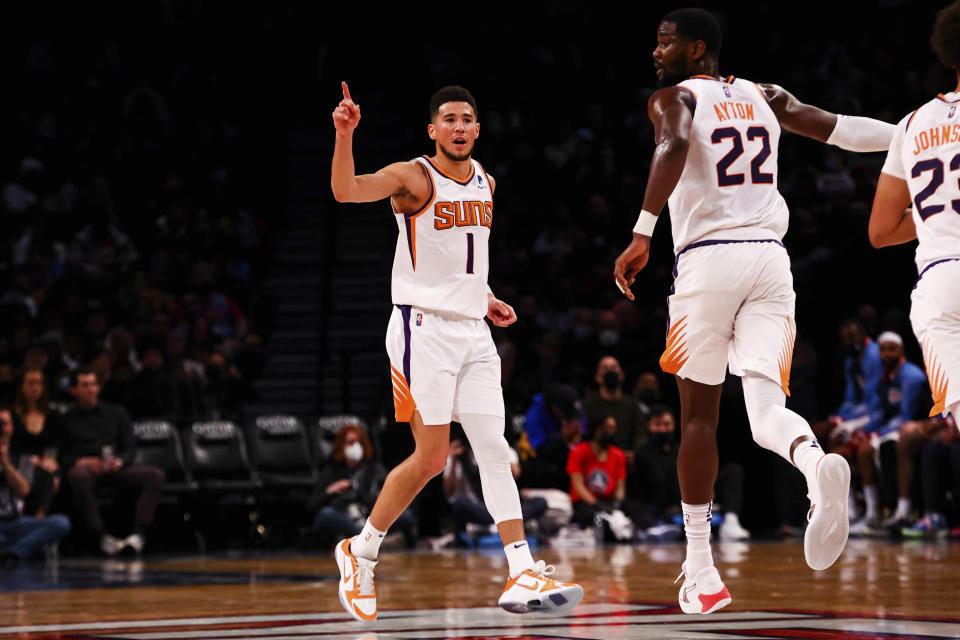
(131, 262)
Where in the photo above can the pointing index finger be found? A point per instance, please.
(346, 91)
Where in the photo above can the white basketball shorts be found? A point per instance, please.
(935, 316)
(732, 303)
(442, 365)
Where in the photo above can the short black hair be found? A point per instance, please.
(696, 24)
(945, 39)
(658, 410)
(452, 93)
(81, 371)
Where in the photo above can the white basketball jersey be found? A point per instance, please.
(728, 188)
(925, 152)
(441, 262)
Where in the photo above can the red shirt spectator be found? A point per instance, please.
(600, 478)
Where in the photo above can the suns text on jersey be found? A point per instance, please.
(466, 213)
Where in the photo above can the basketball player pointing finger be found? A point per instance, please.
(716, 163)
(443, 362)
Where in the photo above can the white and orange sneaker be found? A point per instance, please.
(534, 590)
(828, 524)
(357, 593)
(704, 592)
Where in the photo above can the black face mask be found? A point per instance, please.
(853, 349)
(605, 439)
(661, 440)
(648, 396)
(611, 381)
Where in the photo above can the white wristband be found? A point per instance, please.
(645, 223)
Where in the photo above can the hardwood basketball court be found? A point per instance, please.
(876, 590)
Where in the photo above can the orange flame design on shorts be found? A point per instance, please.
(938, 381)
(403, 404)
(675, 354)
(786, 359)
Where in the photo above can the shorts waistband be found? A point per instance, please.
(704, 243)
(931, 265)
(445, 315)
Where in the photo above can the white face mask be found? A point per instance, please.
(353, 452)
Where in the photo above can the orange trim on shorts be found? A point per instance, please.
(786, 359)
(675, 354)
(938, 381)
(403, 404)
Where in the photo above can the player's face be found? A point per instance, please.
(455, 129)
(671, 58)
(890, 353)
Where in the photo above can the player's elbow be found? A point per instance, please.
(340, 194)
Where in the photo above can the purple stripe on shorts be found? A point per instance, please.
(405, 314)
(933, 264)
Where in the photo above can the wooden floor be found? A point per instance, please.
(877, 589)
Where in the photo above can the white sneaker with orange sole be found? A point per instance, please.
(533, 590)
(357, 592)
(704, 592)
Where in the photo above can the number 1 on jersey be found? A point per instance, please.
(470, 253)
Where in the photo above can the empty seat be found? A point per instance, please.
(218, 458)
(158, 444)
(281, 451)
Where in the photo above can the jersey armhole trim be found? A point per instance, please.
(692, 94)
(760, 91)
(909, 120)
(430, 198)
(487, 176)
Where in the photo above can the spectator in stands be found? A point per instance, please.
(557, 405)
(96, 447)
(154, 392)
(598, 477)
(224, 388)
(33, 437)
(547, 468)
(900, 391)
(347, 489)
(647, 392)
(20, 535)
(655, 480)
(862, 369)
(611, 401)
(463, 490)
(938, 443)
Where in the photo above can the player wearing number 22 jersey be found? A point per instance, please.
(923, 169)
(732, 303)
(443, 363)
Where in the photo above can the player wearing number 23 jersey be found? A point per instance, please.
(732, 302)
(923, 170)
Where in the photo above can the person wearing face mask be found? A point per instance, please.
(862, 370)
(655, 481)
(598, 476)
(610, 400)
(347, 488)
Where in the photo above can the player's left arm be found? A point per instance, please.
(500, 313)
(853, 133)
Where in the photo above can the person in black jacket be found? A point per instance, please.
(347, 488)
(96, 446)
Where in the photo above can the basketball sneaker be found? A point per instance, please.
(828, 525)
(932, 525)
(867, 528)
(704, 592)
(534, 590)
(357, 593)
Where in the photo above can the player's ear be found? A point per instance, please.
(698, 49)
(477, 130)
(432, 131)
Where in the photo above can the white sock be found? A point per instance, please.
(806, 456)
(871, 494)
(696, 524)
(903, 509)
(366, 544)
(518, 557)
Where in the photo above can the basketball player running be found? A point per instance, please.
(923, 167)
(715, 162)
(443, 362)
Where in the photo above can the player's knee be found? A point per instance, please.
(434, 463)
(697, 428)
